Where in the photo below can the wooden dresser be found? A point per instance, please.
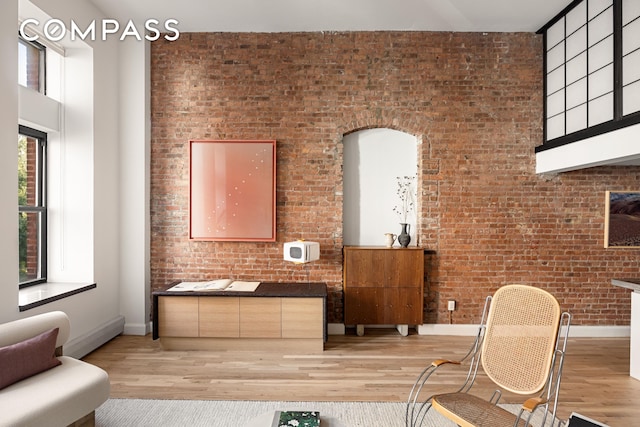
(287, 316)
(383, 286)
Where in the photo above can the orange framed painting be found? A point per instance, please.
(232, 190)
(622, 219)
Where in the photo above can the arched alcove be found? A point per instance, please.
(373, 161)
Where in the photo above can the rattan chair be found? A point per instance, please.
(520, 346)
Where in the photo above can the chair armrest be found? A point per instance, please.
(531, 404)
(439, 362)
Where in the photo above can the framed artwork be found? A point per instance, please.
(232, 190)
(622, 219)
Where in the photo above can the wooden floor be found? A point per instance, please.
(380, 366)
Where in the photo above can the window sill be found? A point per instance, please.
(37, 295)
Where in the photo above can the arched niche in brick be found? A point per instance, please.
(375, 162)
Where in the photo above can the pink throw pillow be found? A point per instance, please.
(27, 358)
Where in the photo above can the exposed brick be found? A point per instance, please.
(473, 100)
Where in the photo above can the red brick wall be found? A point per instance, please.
(31, 266)
(475, 103)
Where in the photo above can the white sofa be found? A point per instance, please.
(65, 395)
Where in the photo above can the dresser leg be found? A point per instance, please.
(403, 329)
(360, 330)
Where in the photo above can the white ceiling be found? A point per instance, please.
(343, 15)
(340, 15)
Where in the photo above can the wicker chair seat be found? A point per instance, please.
(468, 410)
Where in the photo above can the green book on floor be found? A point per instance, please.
(296, 419)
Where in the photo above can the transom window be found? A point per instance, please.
(31, 65)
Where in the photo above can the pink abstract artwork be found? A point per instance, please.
(232, 190)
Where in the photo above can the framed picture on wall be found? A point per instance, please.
(232, 190)
(622, 219)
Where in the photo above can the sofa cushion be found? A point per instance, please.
(27, 358)
(57, 397)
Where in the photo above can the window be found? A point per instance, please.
(630, 56)
(591, 77)
(32, 209)
(44, 80)
(31, 65)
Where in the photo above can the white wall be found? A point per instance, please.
(71, 173)
(90, 175)
(373, 159)
(8, 157)
(135, 131)
(35, 107)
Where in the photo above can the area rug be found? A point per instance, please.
(218, 413)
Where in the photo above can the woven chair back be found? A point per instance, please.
(520, 338)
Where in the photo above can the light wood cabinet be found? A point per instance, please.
(218, 317)
(261, 318)
(383, 286)
(307, 309)
(226, 320)
(178, 318)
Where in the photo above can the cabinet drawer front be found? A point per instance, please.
(404, 268)
(403, 306)
(219, 317)
(363, 306)
(178, 316)
(364, 268)
(302, 318)
(260, 317)
(383, 267)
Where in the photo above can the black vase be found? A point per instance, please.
(404, 238)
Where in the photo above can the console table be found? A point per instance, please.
(278, 316)
(634, 357)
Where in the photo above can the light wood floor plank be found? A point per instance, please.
(380, 366)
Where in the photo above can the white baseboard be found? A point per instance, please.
(574, 331)
(436, 329)
(600, 331)
(472, 330)
(335, 329)
(140, 329)
(85, 344)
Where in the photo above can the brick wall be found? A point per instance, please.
(475, 103)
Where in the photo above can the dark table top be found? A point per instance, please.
(265, 289)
